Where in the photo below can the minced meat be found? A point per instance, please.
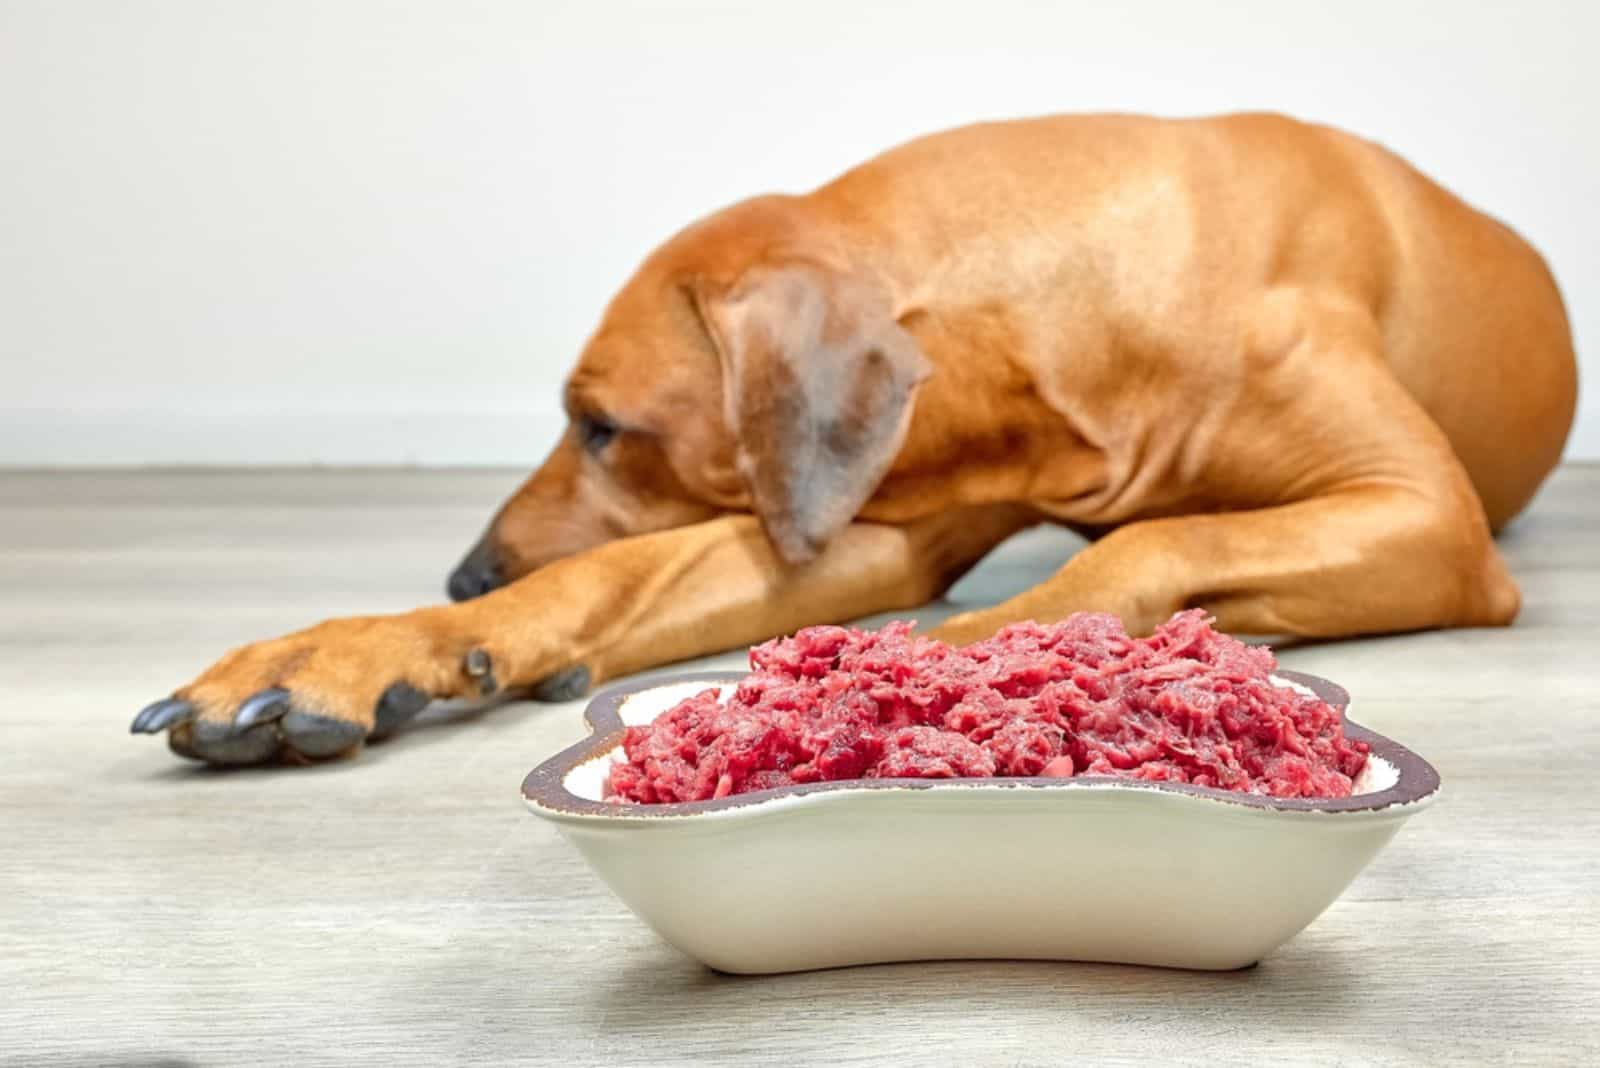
(1079, 697)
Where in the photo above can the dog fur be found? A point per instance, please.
(1268, 368)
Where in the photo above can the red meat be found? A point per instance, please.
(1080, 697)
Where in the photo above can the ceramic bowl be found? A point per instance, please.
(864, 871)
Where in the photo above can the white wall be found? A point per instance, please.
(374, 231)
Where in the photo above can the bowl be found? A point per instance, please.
(1088, 868)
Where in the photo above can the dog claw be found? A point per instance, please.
(399, 704)
(180, 739)
(159, 715)
(320, 736)
(263, 707)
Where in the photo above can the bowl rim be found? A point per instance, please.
(545, 790)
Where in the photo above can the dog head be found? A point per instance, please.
(748, 366)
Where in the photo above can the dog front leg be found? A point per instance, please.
(626, 605)
(1367, 559)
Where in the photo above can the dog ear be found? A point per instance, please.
(817, 385)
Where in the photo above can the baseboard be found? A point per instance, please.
(109, 437)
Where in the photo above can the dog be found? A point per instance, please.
(1267, 368)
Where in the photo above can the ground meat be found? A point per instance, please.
(1080, 697)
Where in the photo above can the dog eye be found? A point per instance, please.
(595, 432)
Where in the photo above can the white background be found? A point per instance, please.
(235, 231)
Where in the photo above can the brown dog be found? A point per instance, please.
(1268, 367)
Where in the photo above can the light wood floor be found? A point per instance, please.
(402, 908)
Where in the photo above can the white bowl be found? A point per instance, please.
(867, 871)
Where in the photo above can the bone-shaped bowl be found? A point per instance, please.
(864, 871)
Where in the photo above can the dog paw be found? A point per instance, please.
(314, 695)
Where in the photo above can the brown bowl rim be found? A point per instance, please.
(545, 786)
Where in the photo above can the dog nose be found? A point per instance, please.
(477, 574)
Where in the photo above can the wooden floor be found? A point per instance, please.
(403, 908)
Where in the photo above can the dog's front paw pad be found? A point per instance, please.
(223, 743)
(399, 704)
(568, 685)
(317, 736)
